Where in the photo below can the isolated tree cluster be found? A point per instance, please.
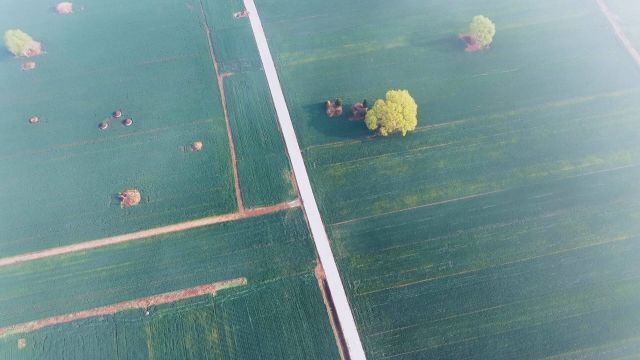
(482, 29)
(17, 41)
(398, 112)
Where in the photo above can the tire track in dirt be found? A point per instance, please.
(142, 303)
(148, 233)
(220, 77)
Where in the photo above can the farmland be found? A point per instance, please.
(73, 171)
(216, 261)
(274, 253)
(506, 226)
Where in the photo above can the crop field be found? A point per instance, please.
(83, 278)
(60, 178)
(274, 253)
(507, 225)
(262, 159)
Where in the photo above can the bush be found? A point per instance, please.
(482, 29)
(17, 42)
(397, 113)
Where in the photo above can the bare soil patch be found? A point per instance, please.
(142, 303)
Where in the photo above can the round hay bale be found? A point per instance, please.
(28, 66)
(103, 125)
(34, 120)
(129, 198)
(197, 146)
(127, 122)
(22, 343)
(117, 114)
(64, 8)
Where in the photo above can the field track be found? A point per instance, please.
(142, 303)
(147, 233)
(220, 79)
(620, 33)
(318, 232)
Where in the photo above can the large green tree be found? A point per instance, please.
(398, 112)
(17, 42)
(482, 29)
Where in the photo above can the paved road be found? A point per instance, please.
(345, 317)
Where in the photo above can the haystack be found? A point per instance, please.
(359, 111)
(64, 8)
(333, 108)
(196, 146)
(29, 66)
(34, 120)
(34, 48)
(129, 198)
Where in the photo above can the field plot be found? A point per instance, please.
(263, 166)
(60, 178)
(220, 327)
(506, 226)
(274, 253)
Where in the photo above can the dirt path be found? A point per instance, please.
(345, 317)
(147, 233)
(331, 310)
(142, 303)
(617, 28)
(220, 77)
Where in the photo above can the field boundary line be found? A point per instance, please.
(321, 240)
(141, 303)
(614, 20)
(223, 99)
(143, 234)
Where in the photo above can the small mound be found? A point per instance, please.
(358, 112)
(117, 114)
(129, 198)
(33, 49)
(34, 120)
(196, 146)
(333, 108)
(64, 8)
(103, 125)
(28, 66)
(127, 122)
(240, 14)
(22, 343)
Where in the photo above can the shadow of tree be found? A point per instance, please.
(336, 127)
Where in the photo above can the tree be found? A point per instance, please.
(397, 113)
(482, 29)
(20, 43)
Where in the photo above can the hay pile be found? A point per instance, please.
(196, 146)
(64, 8)
(29, 66)
(333, 108)
(129, 198)
(33, 49)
